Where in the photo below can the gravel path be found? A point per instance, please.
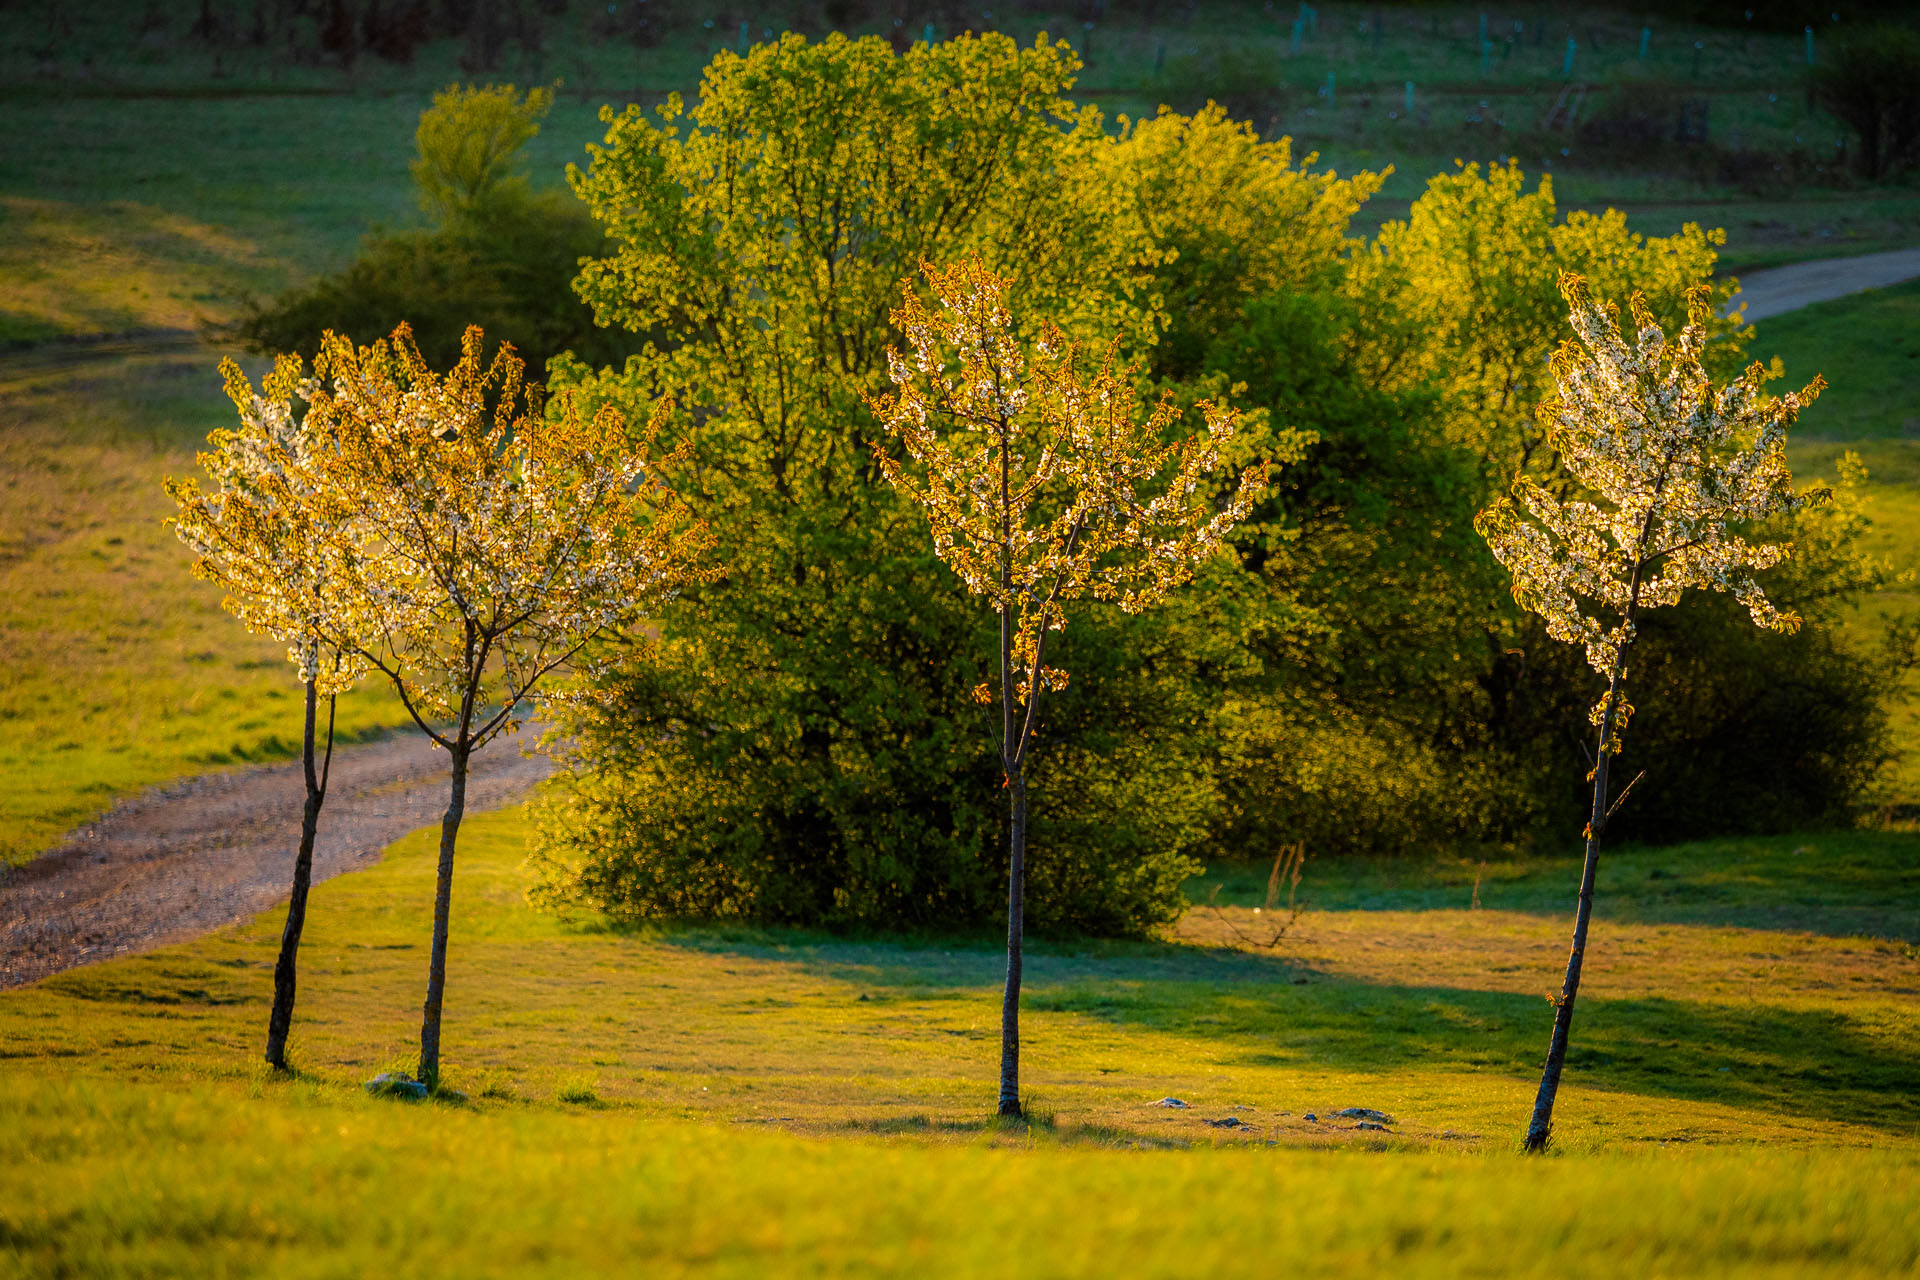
(1779, 290)
(183, 860)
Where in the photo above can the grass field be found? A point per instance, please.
(1742, 1098)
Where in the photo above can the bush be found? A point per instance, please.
(500, 255)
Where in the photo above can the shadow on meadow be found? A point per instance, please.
(1270, 1011)
(1838, 884)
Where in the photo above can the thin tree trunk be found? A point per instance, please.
(280, 1021)
(1016, 936)
(1541, 1126)
(442, 906)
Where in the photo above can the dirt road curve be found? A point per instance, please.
(180, 861)
(1782, 289)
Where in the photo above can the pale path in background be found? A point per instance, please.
(184, 860)
(1778, 290)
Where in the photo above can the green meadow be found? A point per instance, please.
(1742, 1098)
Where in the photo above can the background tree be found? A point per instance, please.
(259, 532)
(481, 548)
(498, 251)
(1041, 488)
(1669, 475)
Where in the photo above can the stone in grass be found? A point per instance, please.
(1364, 1113)
(1368, 1124)
(1171, 1102)
(396, 1084)
(1231, 1122)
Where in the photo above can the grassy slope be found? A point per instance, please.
(138, 1140)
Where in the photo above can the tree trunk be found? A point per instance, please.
(280, 1021)
(442, 905)
(1016, 936)
(1541, 1126)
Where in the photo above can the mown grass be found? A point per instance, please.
(1740, 1100)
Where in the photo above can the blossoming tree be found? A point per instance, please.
(1043, 486)
(480, 549)
(255, 532)
(1670, 473)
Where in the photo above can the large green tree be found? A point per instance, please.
(804, 745)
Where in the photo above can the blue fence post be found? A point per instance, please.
(1646, 37)
(745, 39)
(1566, 67)
(1299, 27)
(1809, 46)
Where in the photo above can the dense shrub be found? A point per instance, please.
(801, 745)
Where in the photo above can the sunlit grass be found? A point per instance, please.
(1740, 1100)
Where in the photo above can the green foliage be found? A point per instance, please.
(500, 254)
(805, 747)
(467, 144)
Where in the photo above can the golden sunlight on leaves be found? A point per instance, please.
(1670, 470)
(1040, 481)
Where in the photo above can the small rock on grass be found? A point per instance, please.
(1368, 1124)
(1231, 1122)
(1171, 1102)
(396, 1084)
(1364, 1113)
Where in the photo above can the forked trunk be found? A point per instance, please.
(1016, 936)
(442, 906)
(1541, 1126)
(280, 1021)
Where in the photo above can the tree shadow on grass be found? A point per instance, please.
(1270, 1011)
(1837, 883)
